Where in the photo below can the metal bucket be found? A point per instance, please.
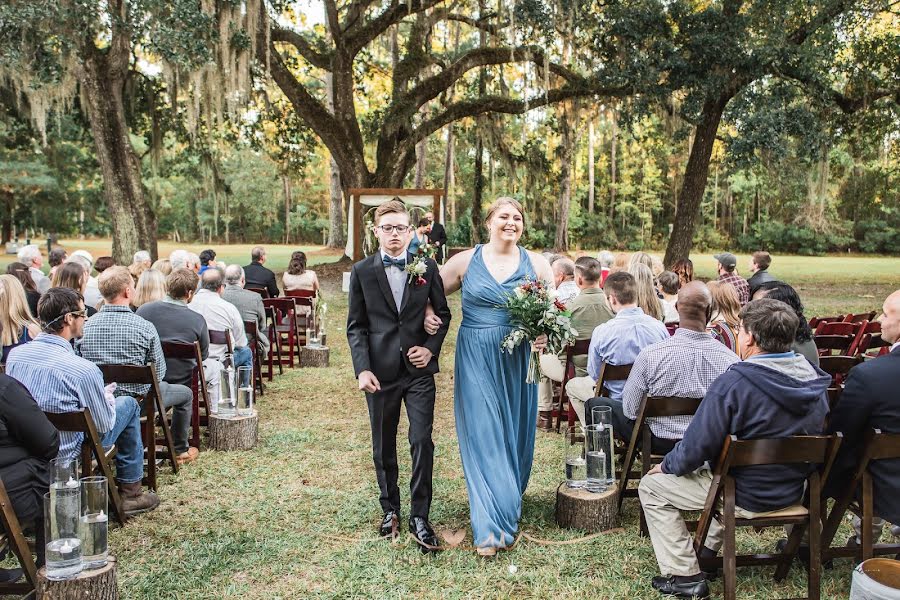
(876, 579)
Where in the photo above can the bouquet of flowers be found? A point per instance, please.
(534, 310)
(426, 249)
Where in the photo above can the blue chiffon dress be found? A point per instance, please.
(495, 409)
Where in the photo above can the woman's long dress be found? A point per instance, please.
(495, 409)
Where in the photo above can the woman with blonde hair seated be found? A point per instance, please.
(17, 325)
(150, 288)
(163, 265)
(646, 297)
(73, 275)
(725, 311)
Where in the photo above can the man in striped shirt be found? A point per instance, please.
(60, 382)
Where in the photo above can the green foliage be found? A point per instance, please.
(794, 239)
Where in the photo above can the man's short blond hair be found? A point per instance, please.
(394, 206)
(113, 282)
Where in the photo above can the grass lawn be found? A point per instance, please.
(296, 517)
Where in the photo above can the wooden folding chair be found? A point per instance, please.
(672, 328)
(611, 373)
(261, 291)
(860, 317)
(92, 450)
(286, 331)
(191, 351)
(253, 340)
(835, 338)
(651, 407)
(274, 356)
(819, 452)
(579, 348)
(816, 321)
(222, 338)
(878, 446)
(838, 367)
(151, 405)
(869, 338)
(19, 545)
(305, 298)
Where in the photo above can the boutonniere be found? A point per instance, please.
(416, 268)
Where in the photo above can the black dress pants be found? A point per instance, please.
(26, 482)
(384, 417)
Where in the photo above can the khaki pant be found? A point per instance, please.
(580, 390)
(553, 370)
(663, 496)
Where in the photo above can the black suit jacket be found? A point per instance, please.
(379, 335)
(438, 234)
(870, 400)
(759, 278)
(25, 431)
(256, 275)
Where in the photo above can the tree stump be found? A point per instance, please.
(581, 509)
(97, 584)
(233, 433)
(313, 357)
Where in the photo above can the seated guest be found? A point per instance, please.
(727, 267)
(616, 342)
(759, 266)
(17, 326)
(564, 279)
(646, 297)
(73, 276)
(176, 322)
(589, 310)
(60, 381)
(56, 257)
(151, 287)
(684, 366)
(257, 275)
(140, 263)
(117, 336)
(297, 276)
(249, 304)
(221, 315)
(684, 268)
(606, 260)
(31, 257)
(182, 259)
(803, 343)
(163, 265)
(28, 442)
(103, 263)
(418, 236)
(20, 271)
(207, 260)
(668, 285)
(773, 393)
(92, 295)
(724, 319)
(869, 401)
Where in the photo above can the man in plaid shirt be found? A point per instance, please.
(117, 336)
(727, 267)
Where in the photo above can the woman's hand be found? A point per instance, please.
(540, 343)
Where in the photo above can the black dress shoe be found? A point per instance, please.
(10, 575)
(424, 534)
(668, 586)
(390, 524)
(707, 553)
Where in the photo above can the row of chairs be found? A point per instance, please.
(849, 339)
(286, 319)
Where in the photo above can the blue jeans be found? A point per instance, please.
(126, 435)
(243, 357)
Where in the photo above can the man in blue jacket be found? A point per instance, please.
(772, 393)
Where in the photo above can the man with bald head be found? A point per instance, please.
(221, 315)
(685, 365)
(564, 278)
(870, 401)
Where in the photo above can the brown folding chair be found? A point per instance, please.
(611, 373)
(851, 318)
(286, 329)
(838, 367)
(151, 405)
(261, 291)
(651, 407)
(19, 545)
(222, 338)
(816, 321)
(579, 348)
(835, 338)
(92, 450)
(274, 356)
(878, 446)
(302, 298)
(253, 340)
(191, 351)
(869, 338)
(815, 450)
(299, 293)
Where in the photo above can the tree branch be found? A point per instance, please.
(358, 37)
(303, 46)
(444, 14)
(848, 104)
(799, 35)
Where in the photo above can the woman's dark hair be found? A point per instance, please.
(206, 256)
(424, 222)
(297, 266)
(684, 268)
(103, 263)
(778, 290)
(21, 271)
(70, 275)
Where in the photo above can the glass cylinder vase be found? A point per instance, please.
(573, 451)
(94, 521)
(596, 448)
(228, 388)
(245, 391)
(601, 416)
(62, 514)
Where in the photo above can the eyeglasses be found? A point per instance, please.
(392, 228)
(79, 313)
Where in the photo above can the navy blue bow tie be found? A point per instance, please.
(387, 261)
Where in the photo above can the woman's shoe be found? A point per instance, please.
(486, 552)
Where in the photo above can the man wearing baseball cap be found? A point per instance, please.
(728, 273)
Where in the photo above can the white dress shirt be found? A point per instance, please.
(220, 315)
(566, 291)
(396, 278)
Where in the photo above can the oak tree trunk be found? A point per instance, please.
(336, 237)
(565, 180)
(591, 191)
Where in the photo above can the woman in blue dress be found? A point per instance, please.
(495, 409)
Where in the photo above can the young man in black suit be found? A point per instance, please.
(437, 235)
(395, 360)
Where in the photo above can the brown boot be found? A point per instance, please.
(545, 420)
(135, 500)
